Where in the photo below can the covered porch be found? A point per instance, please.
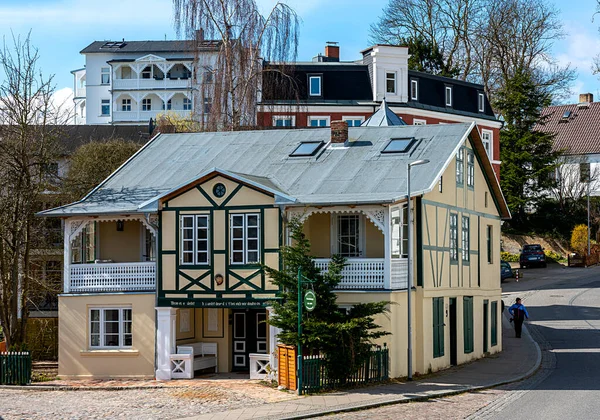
(110, 254)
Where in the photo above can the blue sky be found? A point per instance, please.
(61, 28)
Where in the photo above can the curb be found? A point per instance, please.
(420, 398)
(85, 388)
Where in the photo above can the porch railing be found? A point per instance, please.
(113, 277)
(359, 273)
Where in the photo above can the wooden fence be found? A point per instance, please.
(315, 377)
(15, 368)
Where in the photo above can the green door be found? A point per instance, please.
(438, 327)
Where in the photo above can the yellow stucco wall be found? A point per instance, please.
(122, 246)
(75, 359)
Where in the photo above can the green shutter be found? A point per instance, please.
(494, 322)
(438, 327)
(468, 323)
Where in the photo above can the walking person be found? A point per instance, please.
(518, 313)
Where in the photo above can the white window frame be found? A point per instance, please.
(487, 142)
(292, 118)
(417, 121)
(414, 89)
(399, 245)
(453, 237)
(126, 105)
(245, 238)
(104, 102)
(320, 79)
(348, 118)
(187, 104)
(395, 78)
(105, 71)
(147, 104)
(466, 238)
(460, 167)
(470, 169)
(312, 118)
(335, 220)
(195, 251)
(448, 95)
(480, 102)
(101, 331)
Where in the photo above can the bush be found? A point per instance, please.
(509, 257)
(579, 239)
(553, 256)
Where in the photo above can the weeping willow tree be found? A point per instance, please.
(231, 76)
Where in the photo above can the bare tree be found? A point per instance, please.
(569, 186)
(232, 78)
(27, 154)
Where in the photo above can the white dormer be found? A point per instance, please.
(390, 73)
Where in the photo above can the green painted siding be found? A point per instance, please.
(438, 327)
(468, 323)
(494, 322)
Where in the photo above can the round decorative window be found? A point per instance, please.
(219, 190)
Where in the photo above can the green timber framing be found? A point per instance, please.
(232, 280)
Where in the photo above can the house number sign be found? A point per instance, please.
(310, 300)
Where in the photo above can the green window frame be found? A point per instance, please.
(494, 322)
(438, 327)
(453, 237)
(468, 323)
(466, 240)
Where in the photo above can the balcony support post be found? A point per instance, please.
(67, 256)
(165, 341)
(387, 261)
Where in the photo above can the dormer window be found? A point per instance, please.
(398, 145)
(390, 82)
(307, 148)
(448, 95)
(314, 85)
(414, 90)
(480, 102)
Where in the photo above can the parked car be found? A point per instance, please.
(532, 255)
(505, 271)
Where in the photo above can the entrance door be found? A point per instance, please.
(453, 340)
(485, 325)
(249, 336)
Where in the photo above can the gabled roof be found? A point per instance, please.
(128, 47)
(339, 174)
(383, 117)
(577, 134)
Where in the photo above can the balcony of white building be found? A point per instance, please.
(141, 106)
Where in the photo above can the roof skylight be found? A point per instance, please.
(307, 148)
(113, 44)
(566, 115)
(398, 145)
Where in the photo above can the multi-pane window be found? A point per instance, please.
(187, 104)
(441, 184)
(486, 138)
(318, 121)
(283, 121)
(453, 237)
(168, 106)
(105, 107)
(390, 82)
(414, 90)
(83, 249)
(470, 169)
(195, 239)
(245, 238)
(105, 75)
(490, 247)
(460, 167)
(448, 96)
(126, 105)
(419, 122)
(353, 121)
(399, 220)
(348, 235)
(110, 327)
(466, 242)
(146, 104)
(314, 85)
(480, 102)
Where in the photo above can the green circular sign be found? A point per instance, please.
(310, 300)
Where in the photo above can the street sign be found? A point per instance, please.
(310, 300)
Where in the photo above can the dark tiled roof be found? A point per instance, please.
(577, 134)
(147, 47)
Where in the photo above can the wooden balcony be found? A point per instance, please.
(359, 273)
(113, 277)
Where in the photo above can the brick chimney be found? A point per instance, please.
(586, 97)
(199, 35)
(332, 50)
(339, 131)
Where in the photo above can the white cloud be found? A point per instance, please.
(62, 103)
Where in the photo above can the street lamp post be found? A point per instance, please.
(410, 267)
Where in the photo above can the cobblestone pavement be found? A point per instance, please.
(151, 403)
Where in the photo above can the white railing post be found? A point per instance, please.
(165, 341)
(67, 257)
(387, 246)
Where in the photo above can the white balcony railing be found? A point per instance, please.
(146, 115)
(150, 83)
(359, 273)
(113, 277)
(80, 92)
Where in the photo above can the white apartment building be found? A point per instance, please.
(130, 82)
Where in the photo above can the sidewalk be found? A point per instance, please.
(519, 359)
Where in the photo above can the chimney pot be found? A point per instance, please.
(339, 131)
(586, 97)
(199, 35)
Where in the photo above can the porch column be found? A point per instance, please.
(273, 341)
(165, 341)
(67, 257)
(387, 247)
